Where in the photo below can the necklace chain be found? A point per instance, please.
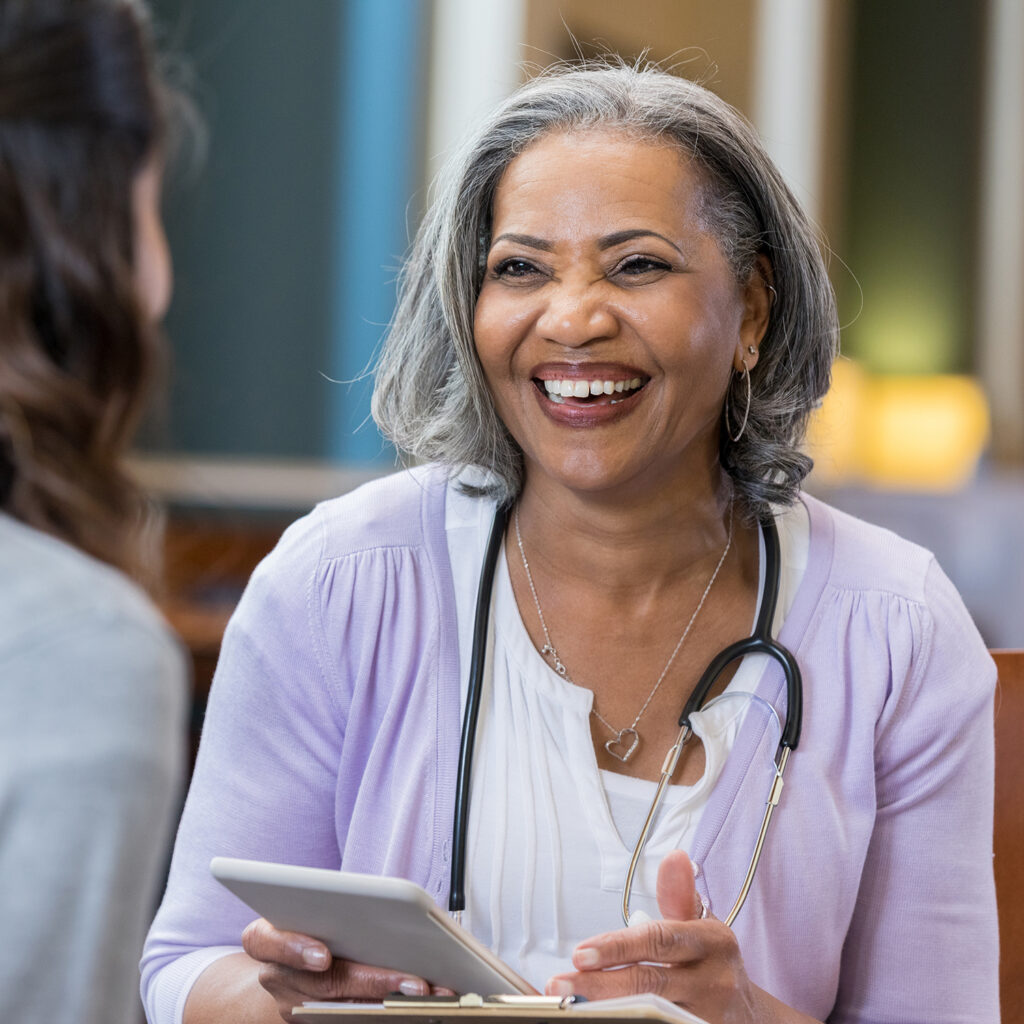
(624, 741)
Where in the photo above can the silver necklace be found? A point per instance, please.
(624, 742)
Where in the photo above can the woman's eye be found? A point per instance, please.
(515, 268)
(636, 266)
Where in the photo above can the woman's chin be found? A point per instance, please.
(593, 475)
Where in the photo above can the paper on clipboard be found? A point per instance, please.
(644, 1009)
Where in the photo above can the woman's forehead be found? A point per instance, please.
(596, 175)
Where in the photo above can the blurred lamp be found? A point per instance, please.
(922, 433)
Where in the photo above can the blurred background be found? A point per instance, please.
(898, 123)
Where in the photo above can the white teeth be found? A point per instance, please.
(572, 388)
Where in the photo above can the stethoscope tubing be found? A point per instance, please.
(460, 824)
(760, 642)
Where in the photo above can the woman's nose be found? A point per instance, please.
(575, 316)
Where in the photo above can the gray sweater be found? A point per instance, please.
(93, 691)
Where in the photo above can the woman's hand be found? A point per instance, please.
(695, 963)
(297, 969)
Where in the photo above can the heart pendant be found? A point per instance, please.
(623, 745)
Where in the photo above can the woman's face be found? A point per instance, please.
(153, 275)
(609, 322)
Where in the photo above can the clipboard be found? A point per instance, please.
(500, 1009)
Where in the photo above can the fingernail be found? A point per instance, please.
(408, 987)
(312, 956)
(585, 958)
(559, 987)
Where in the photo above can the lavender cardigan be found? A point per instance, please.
(332, 734)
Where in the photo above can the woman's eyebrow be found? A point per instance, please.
(607, 242)
(528, 240)
(610, 241)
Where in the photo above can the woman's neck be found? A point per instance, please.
(632, 543)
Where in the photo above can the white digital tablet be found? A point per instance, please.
(386, 922)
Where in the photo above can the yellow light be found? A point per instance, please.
(899, 432)
(923, 433)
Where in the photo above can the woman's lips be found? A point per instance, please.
(588, 395)
(588, 384)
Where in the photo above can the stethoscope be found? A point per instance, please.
(759, 642)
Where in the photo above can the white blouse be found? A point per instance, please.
(540, 809)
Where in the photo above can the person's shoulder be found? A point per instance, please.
(862, 556)
(399, 510)
(67, 619)
(884, 585)
(48, 582)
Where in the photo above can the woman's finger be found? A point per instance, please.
(363, 981)
(699, 987)
(298, 964)
(263, 942)
(638, 979)
(672, 942)
(343, 980)
(678, 899)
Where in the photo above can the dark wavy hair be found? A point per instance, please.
(82, 110)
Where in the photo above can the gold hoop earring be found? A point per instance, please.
(746, 411)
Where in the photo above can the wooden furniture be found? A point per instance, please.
(208, 560)
(1009, 831)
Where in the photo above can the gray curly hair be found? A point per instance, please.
(431, 399)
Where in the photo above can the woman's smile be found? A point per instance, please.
(586, 394)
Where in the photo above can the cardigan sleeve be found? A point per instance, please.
(923, 942)
(334, 693)
(264, 778)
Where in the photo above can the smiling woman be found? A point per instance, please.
(611, 330)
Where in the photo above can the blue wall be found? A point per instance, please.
(378, 159)
(287, 243)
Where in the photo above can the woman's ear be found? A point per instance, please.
(758, 300)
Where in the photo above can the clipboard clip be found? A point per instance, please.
(472, 1001)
